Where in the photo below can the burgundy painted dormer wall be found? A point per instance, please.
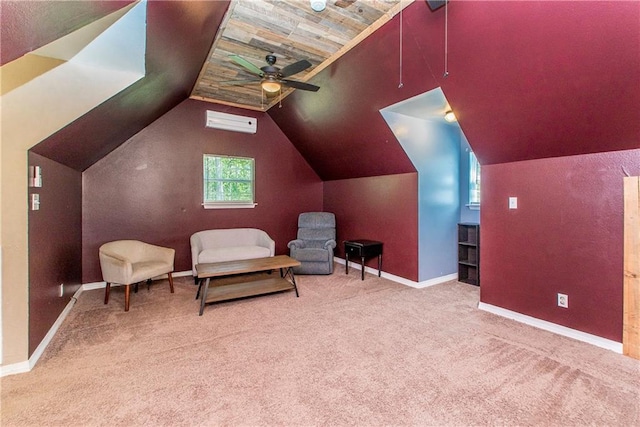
(526, 79)
(565, 237)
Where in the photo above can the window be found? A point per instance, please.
(474, 180)
(228, 182)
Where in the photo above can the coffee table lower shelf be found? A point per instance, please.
(248, 289)
(214, 278)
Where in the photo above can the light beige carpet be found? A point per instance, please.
(347, 352)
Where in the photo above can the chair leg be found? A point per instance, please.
(127, 293)
(106, 293)
(170, 281)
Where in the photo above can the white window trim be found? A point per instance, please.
(472, 205)
(222, 205)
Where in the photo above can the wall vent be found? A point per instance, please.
(231, 122)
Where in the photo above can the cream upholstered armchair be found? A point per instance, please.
(128, 262)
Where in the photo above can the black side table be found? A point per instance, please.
(363, 249)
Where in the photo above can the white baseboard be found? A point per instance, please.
(438, 280)
(14, 368)
(182, 273)
(100, 285)
(553, 327)
(26, 366)
(398, 279)
(93, 285)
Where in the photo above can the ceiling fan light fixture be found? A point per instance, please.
(450, 116)
(318, 5)
(270, 86)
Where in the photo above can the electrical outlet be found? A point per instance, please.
(563, 300)
(61, 294)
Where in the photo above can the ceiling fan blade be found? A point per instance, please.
(294, 68)
(300, 85)
(247, 65)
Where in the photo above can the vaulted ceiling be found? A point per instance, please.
(291, 31)
(527, 79)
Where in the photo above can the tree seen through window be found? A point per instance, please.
(228, 179)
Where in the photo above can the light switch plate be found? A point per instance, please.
(35, 176)
(35, 201)
(513, 203)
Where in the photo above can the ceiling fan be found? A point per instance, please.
(272, 78)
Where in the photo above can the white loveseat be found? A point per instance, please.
(230, 244)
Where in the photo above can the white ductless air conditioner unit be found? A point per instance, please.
(231, 122)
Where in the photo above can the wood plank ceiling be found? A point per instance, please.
(290, 30)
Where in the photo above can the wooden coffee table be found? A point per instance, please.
(245, 287)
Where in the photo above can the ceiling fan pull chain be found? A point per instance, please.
(446, 39)
(400, 84)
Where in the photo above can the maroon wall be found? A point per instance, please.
(542, 79)
(565, 237)
(55, 245)
(527, 79)
(383, 208)
(150, 188)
